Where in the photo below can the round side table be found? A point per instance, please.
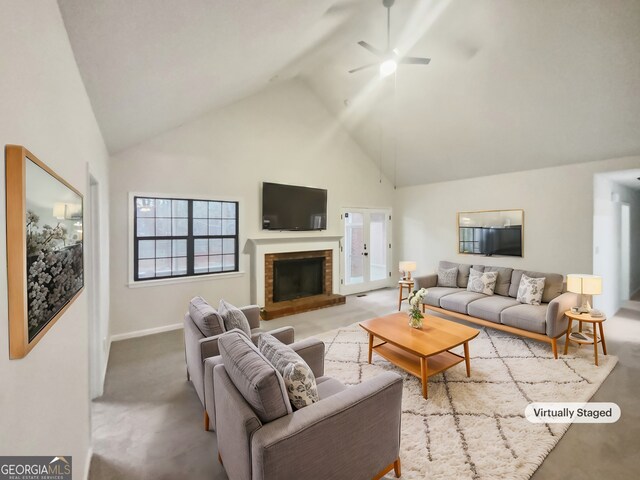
(402, 284)
(586, 318)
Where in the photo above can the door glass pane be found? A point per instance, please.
(354, 248)
(378, 246)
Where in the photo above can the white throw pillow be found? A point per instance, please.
(482, 282)
(530, 290)
(448, 277)
(297, 375)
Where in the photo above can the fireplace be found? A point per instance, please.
(298, 282)
(302, 277)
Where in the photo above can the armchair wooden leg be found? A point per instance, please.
(206, 421)
(396, 468)
(554, 347)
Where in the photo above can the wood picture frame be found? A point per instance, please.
(45, 263)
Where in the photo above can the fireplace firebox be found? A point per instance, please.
(298, 278)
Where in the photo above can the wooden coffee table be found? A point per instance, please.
(421, 352)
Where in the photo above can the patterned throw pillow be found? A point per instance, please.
(448, 277)
(298, 377)
(482, 282)
(530, 290)
(233, 317)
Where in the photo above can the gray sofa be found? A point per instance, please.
(202, 329)
(545, 322)
(352, 432)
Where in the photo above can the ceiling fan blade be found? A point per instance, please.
(415, 60)
(363, 67)
(371, 48)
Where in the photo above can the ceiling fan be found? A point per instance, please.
(389, 59)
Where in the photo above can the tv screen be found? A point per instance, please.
(290, 207)
(500, 241)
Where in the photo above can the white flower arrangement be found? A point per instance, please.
(415, 300)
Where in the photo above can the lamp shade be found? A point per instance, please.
(584, 284)
(407, 266)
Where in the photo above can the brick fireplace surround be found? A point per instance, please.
(327, 298)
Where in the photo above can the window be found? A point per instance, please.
(175, 237)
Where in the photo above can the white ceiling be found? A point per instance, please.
(512, 85)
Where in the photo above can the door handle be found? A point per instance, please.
(366, 254)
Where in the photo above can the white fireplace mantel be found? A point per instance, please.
(259, 247)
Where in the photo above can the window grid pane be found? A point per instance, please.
(182, 237)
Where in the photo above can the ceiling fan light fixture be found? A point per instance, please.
(388, 67)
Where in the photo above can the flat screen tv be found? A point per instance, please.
(490, 241)
(291, 207)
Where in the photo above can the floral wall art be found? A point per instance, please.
(44, 248)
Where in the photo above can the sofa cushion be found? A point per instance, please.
(448, 277)
(482, 282)
(489, 308)
(528, 317)
(234, 318)
(434, 295)
(328, 386)
(530, 290)
(253, 375)
(553, 284)
(205, 317)
(463, 272)
(458, 302)
(297, 376)
(504, 279)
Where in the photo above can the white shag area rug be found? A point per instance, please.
(475, 428)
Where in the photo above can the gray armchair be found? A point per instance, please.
(352, 432)
(202, 329)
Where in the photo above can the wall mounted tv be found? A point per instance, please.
(291, 207)
(491, 232)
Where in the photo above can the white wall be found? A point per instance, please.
(44, 401)
(282, 134)
(558, 216)
(608, 197)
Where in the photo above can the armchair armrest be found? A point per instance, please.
(209, 346)
(358, 431)
(312, 351)
(252, 312)
(426, 281)
(284, 334)
(556, 321)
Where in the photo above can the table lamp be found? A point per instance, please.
(407, 266)
(585, 285)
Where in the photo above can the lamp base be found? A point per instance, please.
(585, 306)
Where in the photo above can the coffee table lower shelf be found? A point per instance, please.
(413, 364)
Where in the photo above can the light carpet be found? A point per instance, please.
(475, 428)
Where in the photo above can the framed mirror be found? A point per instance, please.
(491, 232)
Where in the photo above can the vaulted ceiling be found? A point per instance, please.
(511, 86)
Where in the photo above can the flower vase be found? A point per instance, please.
(415, 319)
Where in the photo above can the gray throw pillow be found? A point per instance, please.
(447, 277)
(297, 375)
(530, 290)
(480, 282)
(205, 317)
(233, 317)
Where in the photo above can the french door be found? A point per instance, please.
(365, 250)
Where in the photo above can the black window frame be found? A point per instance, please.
(190, 238)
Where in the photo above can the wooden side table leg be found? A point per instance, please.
(400, 289)
(580, 326)
(370, 346)
(604, 344)
(466, 358)
(423, 375)
(595, 348)
(566, 339)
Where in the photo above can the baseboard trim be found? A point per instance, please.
(144, 333)
(87, 466)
